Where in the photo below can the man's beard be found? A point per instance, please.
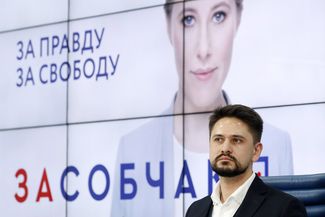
(226, 171)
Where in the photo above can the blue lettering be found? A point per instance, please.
(180, 186)
(29, 76)
(159, 182)
(129, 181)
(101, 196)
(69, 169)
(21, 44)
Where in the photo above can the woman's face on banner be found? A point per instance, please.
(202, 32)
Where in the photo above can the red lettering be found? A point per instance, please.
(46, 193)
(21, 199)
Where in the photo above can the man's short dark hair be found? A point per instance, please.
(243, 113)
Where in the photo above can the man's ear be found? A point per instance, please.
(258, 147)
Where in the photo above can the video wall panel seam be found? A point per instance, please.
(67, 115)
(147, 117)
(79, 19)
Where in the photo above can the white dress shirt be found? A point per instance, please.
(230, 206)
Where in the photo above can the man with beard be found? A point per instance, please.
(235, 135)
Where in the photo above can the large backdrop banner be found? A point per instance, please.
(104, 104)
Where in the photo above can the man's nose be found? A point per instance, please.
(226, 147)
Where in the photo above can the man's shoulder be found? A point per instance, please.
(203, 201)
(200, 207)
(269, 201)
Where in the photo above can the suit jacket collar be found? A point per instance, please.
(254, 198)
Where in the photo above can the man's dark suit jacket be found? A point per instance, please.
(260, 201)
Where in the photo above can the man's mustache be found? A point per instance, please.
(226, 155)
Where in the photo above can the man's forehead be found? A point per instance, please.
(229, 125)
(229, 121)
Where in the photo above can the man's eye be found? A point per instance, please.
(236, 141)
(219, 17)
(218, 140)
(188, 21)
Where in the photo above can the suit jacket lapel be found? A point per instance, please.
(200, 208)
(206, 210)
(253, 199)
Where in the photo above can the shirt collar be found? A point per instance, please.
(237, 195)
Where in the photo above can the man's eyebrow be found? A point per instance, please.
(238, 136)
(217, 135)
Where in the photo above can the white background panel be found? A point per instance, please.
(33, 150)
(37, 104)
(145, 79)
(305, 124)
(86, 8)
(90, 145)
(279, 53)
(19, 14)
